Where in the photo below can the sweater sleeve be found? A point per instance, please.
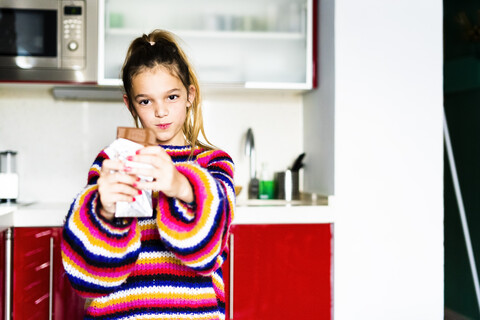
(98, 255)
(197, 233)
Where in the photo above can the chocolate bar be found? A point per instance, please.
(145, 137)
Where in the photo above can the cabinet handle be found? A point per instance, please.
(8, 272)
(231, 276)
(50, 282)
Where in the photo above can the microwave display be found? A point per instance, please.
(25, 32)
(75, 11)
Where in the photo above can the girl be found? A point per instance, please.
(166, 266)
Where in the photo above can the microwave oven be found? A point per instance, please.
(48, 41)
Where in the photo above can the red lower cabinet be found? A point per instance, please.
(272, 272)
(40, 289)
(279, 272)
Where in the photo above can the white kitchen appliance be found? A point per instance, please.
(46, 40)
(8, 176)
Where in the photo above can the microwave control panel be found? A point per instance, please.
(72, 26)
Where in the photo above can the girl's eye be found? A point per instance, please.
(144, 102)
(172, 97)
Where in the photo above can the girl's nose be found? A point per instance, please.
(161, 111)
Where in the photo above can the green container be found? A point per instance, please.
(266, 189)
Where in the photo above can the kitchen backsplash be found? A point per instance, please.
(58, 140)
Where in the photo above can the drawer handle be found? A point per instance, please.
(8, 273)
(50, 283)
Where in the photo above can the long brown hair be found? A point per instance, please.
(160, 47)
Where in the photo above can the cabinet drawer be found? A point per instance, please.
(40, 288)
(32, 249)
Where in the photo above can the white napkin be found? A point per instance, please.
(142, 206)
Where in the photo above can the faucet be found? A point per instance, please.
(253, 183)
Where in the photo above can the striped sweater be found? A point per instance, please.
(163, 267)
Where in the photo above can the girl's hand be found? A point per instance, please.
(115, 185)
(166, 177)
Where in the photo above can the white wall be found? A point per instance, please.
(58, 140)
(388, 160)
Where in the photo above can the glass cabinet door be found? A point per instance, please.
(248, 43)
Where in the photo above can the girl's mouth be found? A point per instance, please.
(163, 126)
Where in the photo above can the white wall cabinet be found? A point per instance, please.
(253, 44)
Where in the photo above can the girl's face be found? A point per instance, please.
(161, 102)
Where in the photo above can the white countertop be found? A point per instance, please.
(53, 214)
(33, 215)
(4, 209)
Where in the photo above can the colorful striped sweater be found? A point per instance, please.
(163, 267)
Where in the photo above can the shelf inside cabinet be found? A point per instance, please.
(131, 32)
